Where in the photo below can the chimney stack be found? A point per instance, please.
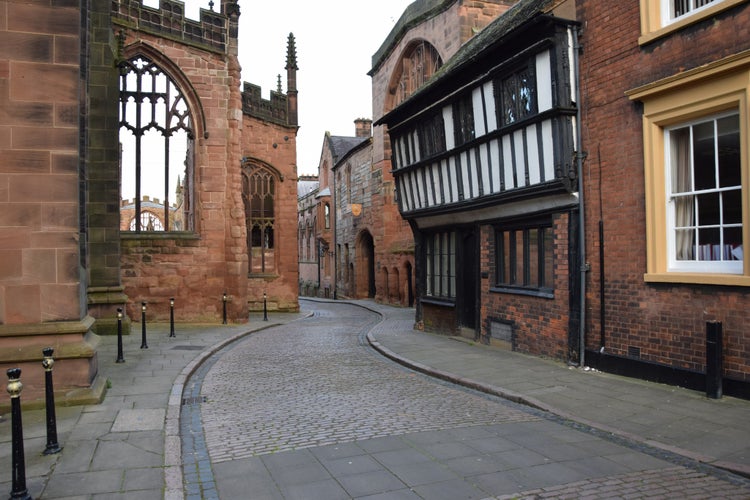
(363, 127)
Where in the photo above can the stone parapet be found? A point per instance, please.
(170, 22)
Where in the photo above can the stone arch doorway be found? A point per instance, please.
(365, 258)
(409, 285)
(394, 288)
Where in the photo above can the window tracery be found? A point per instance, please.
(156, 140)
(419, 63)
(259, 197)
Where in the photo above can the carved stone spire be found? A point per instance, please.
(291, 78)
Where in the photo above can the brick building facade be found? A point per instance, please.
(627, 249)
(77, 161)
(648, 74)
(427, 33)
(483, 156)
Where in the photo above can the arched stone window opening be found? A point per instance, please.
(259, 197)
(420, 61)
(149, 222)
(156, 146)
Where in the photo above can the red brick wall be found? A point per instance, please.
(666, 322)
(540, 325)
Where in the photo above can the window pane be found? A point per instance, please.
(525, 257)
(733, 240)
(444, 264)
(429, 271)
(682, 178)
(728, 138)
(548, 259)
(507, 278)
(708, 244)
(518, 277)
(702, 217)
(451, 291)
(685, 244)
(732, 206)
(704, 156)
(533, 261)
(708, 209)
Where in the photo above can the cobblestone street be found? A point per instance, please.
(308, 410)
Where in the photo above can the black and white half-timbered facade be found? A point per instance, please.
(485, 161)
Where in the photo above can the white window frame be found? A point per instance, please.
(657, 20)
(696, 264)
(667, 10)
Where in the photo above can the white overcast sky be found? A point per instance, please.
(335, 42)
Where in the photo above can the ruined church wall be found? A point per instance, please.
(197, 267)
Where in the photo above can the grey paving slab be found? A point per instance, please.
(139, 420)
(369, 483)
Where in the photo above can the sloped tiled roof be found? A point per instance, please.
(414, 14)
(493, 33)
(304, 187)
(341, 145)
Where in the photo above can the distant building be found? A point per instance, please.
(307, 203)
(365, 249)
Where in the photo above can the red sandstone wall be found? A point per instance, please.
(277, 146)
(39, 137)
(198, 268)
(667, 321)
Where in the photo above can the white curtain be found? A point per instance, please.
(684, 204)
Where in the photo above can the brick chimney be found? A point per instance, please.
(363, 127)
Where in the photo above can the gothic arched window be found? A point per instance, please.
(419, 63)
(149, 222)
(259, 195)
(156, 139)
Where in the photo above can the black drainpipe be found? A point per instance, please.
(602, 303)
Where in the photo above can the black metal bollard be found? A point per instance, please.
(144, 345)
(119, 359)
(171, 317)
(224, 315)
(47, 362)
(265, 308)
(19, 490)
(714, 355)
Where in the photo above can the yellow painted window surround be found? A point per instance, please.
(654, 26)
(720, 87)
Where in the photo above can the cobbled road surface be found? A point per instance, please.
(309, 411)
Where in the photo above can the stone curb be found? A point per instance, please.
(732, 467)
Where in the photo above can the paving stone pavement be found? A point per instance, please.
(577, 434)
(305, 411)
